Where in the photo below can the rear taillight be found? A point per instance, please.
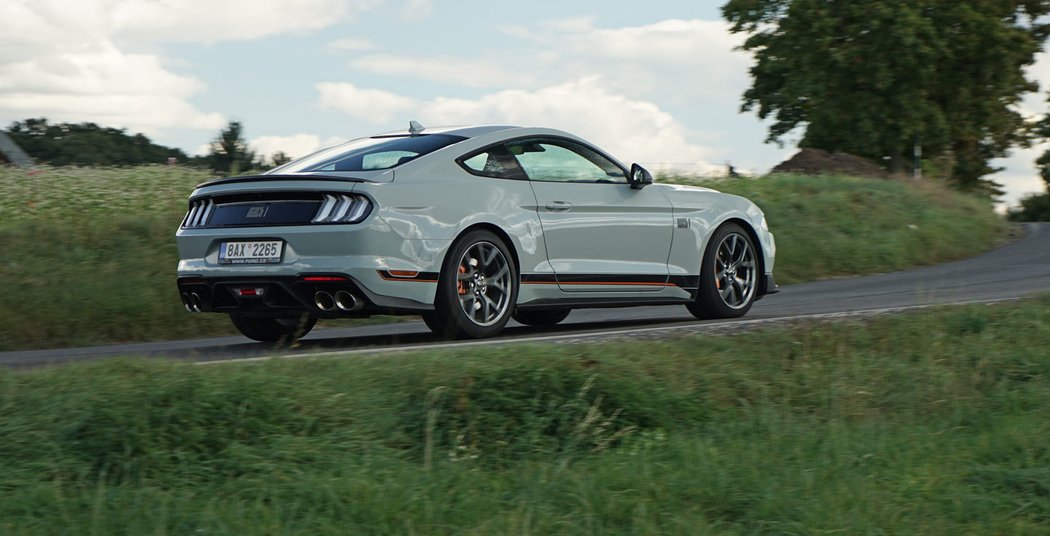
(198, 214)
(343, 208)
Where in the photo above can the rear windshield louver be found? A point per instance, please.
(270, 209)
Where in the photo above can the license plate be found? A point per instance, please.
(251, 252)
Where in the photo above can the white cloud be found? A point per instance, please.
(351, 44)
(609, 84)
(92, 72)
(417, 9)
(294, 146)
(104, 85)
(472, 73)
(153, 21)
(373, 105)
(84, 60)
(628, 128)
(210, 21)
(633, 130)
(673, 60)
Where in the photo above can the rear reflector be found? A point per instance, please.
(403, 273)
(316, 278)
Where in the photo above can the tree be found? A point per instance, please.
(87, 144)
(1036, 207)
(229, 151)
(280, 158)
(878, 77)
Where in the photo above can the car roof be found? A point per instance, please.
(467, 131)
(474, 131)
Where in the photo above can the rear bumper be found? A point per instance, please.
(289, 295)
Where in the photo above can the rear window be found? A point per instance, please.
(367, 154)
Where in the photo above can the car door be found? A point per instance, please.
(601, 235)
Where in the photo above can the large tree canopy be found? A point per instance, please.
(87, 144)
(876, 77)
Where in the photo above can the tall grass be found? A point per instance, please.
(88, 256)
(930, 423)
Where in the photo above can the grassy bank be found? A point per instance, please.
(87, 256)
(930, 423)
(836, 226)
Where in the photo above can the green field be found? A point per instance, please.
(933, 422)
(87, 256)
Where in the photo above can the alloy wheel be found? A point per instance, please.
(735, 273)
(484, 284)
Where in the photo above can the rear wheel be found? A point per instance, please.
(541, 318)
(728, 275)
(477, 288)
(271, 329)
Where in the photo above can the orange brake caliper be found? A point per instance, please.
(461, 286)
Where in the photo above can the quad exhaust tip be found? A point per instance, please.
(195, 304)
(347, 302)
(324, 301)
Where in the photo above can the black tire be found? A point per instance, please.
(479, 275)
(273, 329)
(547, 317)
(729, 275)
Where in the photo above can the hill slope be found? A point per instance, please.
(88, 256)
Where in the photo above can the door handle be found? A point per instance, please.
(558, 206)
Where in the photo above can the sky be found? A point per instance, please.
(652, 82)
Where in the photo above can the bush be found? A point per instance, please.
(1034, 207)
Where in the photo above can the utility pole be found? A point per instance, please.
(916, 171)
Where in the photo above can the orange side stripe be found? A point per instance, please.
(624, 283)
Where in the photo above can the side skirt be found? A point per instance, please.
(594, 303)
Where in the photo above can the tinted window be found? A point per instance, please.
(564, 161)
(370, 153)
(493, 162)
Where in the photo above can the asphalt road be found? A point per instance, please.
(1013, 271)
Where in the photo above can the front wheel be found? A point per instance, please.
(477, 288)
(728, 275)
(271, 329)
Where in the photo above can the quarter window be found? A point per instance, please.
(495, 162)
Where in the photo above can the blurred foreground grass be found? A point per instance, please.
(933, 422)
(88, 256)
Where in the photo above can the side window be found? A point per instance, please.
(564, 161)
(495, 162)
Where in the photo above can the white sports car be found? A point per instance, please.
(468, 227)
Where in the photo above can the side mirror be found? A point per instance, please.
(640, 177)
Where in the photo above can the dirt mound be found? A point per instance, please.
(820, 162)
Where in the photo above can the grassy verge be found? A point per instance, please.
(930, 423)
(837, 226)
(87, 256)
